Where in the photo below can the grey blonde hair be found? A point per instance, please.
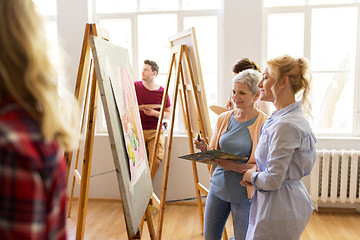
(27, 74)
(250, 77)
(297, 70)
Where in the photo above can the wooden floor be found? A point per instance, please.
(105, 221)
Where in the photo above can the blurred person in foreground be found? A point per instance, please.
(34, 130)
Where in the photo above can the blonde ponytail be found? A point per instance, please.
(297, 70)
(306, 81)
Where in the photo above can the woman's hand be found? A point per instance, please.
(245, 183)
(247, 177)
(201, 145)
(226, 164)
(229, 105)
(232, 165)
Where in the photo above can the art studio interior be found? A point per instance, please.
(220, 32)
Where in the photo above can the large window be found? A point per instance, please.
(144, 28)
(47, 8)
(327, 33)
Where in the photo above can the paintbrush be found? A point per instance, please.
(230, 102)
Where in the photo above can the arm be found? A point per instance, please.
(201, 145)
(246, 182)
(234, 166)
(155, 113)
(167, 113)
(282, 144)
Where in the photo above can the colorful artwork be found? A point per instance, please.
(208, 157)
(117, 92)
(126, 102)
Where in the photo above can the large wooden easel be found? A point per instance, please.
(89, 105)
(189, 85)
(179, 56)
(85, 78)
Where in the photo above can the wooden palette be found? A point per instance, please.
(217, 109)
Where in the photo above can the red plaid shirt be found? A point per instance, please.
(32, 179)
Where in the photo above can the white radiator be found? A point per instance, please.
(335, 177)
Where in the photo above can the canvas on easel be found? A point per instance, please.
(117, 91)
(86, 91)
(196, 95)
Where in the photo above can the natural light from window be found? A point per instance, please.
(145, 30)
(327, 35)
(333, 48)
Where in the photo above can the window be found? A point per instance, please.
(47, 8)
(144, 28)
(154, 31)
(325, 32)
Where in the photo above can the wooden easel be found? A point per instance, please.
(178, 54)
(85, 78)
(89, 105)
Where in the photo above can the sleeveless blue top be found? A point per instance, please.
(236, 140)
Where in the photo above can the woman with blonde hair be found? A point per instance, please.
(33, 127)
(280, 206)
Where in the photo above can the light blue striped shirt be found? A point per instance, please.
(280, 206)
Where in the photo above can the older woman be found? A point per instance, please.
(281, 207)
(236, 132)
(239, 66)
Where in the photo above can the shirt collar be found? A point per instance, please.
(294, 106)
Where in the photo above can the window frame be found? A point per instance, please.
(307, 10)
(133, 16)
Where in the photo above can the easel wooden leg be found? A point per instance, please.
(83, 71)
(68, 158)
(76, 173)
(184, 103)
(160, 205)
(85, 178)
(194, 91)
(225, 236)
(137, 236)
(149, 222)
(168, 151)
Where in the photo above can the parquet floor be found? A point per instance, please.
(105, 221)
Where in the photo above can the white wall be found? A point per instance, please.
(241, 37)
(72, 17)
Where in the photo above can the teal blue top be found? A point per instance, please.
(236, 140)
